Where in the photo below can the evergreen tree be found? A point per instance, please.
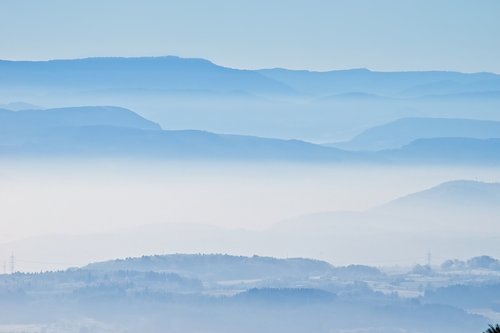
(493, 329)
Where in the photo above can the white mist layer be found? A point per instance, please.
(78, 198)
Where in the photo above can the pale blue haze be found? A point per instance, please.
(249, 166)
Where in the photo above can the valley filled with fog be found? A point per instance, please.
(43, 199)
(165, 194)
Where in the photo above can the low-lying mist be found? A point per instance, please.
(81, 197)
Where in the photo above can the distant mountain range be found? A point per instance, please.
(189, 74)
(403, 131)
(447, 151)
(112, 132)
(84, 132)
(397, 84)
(454, 219)
(457, 195)
(180, 93)
(149, 73)
(18, 106)
(53, 119)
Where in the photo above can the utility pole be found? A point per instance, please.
(12, 264)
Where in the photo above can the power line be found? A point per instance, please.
(47, 263)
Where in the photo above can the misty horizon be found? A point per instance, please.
(234, 166)
(333, 69)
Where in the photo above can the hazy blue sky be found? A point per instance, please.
(313, 34)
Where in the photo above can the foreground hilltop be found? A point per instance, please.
(214, 266)
(225, 293)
